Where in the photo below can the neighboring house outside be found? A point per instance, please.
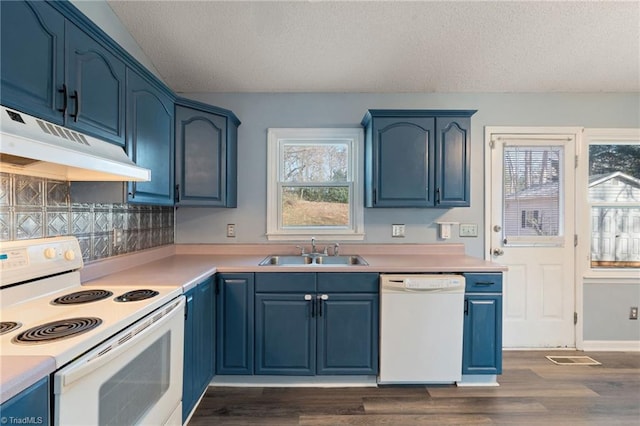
(615, 227)
(532, 211)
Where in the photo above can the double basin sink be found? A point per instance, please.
(313, 260)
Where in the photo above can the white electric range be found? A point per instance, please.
(117, 349)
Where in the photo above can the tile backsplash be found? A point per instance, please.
(36, 208)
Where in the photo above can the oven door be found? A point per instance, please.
(135, 377)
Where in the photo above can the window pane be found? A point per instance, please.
(531, 191)
(615, 237)
(315, 206)
(304, 162)
(614, 183)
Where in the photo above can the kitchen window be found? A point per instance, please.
(314, 184)
(613, 198)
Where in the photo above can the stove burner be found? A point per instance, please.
(84, 296)
(7, 326)
(135, 295)
(57, 330)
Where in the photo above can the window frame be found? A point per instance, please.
(276, 139)
(598, 136)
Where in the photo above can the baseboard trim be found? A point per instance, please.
(611, 345)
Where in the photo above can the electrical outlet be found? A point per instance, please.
(633, 313)
(118, 236)
(397, 231)
(468, 230)
(231, 230)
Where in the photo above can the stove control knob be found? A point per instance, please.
(69, 255)
(50, 253)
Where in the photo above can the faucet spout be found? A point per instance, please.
(313, 244)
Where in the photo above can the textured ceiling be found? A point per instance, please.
(389, 46)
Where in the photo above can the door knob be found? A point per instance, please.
(498, 252)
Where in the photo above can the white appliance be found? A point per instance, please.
(118, 350)
(421, 320)
(35, 147)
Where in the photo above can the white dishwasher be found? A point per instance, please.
(421, 320)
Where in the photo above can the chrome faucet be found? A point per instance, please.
(313, 244)
(336, 249)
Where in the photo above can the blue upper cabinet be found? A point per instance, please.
(206, 155)
(417, 158)
(95, 87)
(150, 135)
(32, 57)
(54, 70)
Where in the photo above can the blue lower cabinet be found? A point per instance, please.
(348, 334)
(199, 340)
(234, 323)
(482, 341)
(30, 406)
(314, 331)
(285, 334)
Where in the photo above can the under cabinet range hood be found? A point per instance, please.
(35, 147)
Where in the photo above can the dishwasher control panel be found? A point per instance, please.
(422, 282)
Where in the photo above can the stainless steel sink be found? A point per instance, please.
(313, 260)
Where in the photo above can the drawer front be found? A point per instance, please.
(295, 282)
(483, 283)
(348, 282)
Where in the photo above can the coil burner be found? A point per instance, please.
(57, 330)
(135, 295)
(8, 326)
(84, 296)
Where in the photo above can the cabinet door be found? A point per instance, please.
(482, 342)
(452, 162)
(32, 56)
(150, 140)
(285, 334)
(205, 316)
(201, 152)
(31, 405)
(347, 334)
(96, 84)
(189, 397)
(234, 323)
(403, 159)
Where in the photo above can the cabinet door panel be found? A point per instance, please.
(403, 168)
(205, 316)
(201, 152)
(98, 77)
(32, 55)
(285, 335)
(189, 357)
(150, 140)
(482, 348)
(234, 324)
(32, 404)
(348, 334)
(453, 158)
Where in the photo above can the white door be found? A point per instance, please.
(531, 208)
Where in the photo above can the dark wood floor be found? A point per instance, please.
(532, 391)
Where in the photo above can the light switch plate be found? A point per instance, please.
(397, 231)
(231, 230)
(468, 229)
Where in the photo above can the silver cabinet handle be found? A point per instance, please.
(498, 252)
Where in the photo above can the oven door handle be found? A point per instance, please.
(119, 344)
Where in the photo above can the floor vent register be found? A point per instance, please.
(572, 360)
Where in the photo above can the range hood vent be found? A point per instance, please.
(35, 147)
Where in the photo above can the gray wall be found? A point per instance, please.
(606, 311)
